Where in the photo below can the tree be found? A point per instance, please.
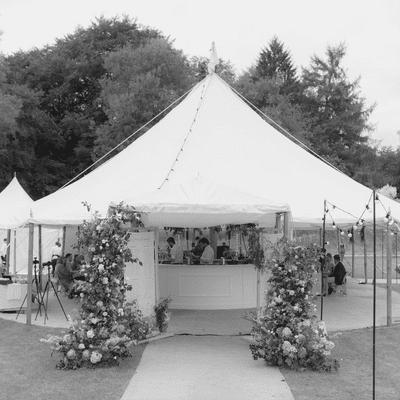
(224, 69)
(266, 95)
(140, 83)
(339, 116)
(65, 78)
(274, 62)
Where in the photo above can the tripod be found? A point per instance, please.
(46, 292)
(36, 284)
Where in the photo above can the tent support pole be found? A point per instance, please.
(156, 269)
(365, 255)
(389, 274)
(15, 255)
(8, 251)
(323, 262)
(353, 253)
(40, 255)
(374, 297)
(30, 276)
(63, 240)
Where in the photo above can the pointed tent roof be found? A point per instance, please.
(214, 133)
(15, 205)
(200, 202)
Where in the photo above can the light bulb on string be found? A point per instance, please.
(342, 232)
(369, 209)
(376, 197)
(333, 225)
(355, 226)
(349, 234)
(391, 221)
(386, 218)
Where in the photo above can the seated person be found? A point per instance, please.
(207, 257)
(176, 256)
(63, 274)
(339, 272)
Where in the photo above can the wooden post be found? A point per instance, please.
(258, 292)
(353, 242)
(63, 240)
(338, 243)
(286, 226)
(15, 254)
(8, 251)
(156, 278)
(40, 255)
(389, 275)
(30, 276)
(365, 255)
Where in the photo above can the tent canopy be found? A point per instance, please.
(15, 205)
(214, 133)
(199, 202)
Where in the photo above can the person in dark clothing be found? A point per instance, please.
(339, 272)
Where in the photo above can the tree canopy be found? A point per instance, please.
(73, 102)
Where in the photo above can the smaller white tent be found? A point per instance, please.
(15, 205)
(199, 202)
(15, 208)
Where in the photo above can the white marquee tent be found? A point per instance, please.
(15, 206)
(200, 202)
(215, 134)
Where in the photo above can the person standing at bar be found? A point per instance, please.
(176, 256)
(207, 256)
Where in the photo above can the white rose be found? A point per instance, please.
(90, 334)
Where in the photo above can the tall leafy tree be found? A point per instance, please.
(66, 77)
(140, 83)
(338, 112)
(274, 62)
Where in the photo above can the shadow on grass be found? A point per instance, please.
(28, 370)
(354, 351)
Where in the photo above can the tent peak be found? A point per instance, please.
(214, 61)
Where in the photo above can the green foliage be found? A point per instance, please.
(274, 62)
(338, 113)
(108, 325)
(287, 332)
(255, 250)
(140, 83)
(65, 78)
(162, 312)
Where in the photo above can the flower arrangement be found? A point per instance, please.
(163, 314)
(107, 325)
(287, 332)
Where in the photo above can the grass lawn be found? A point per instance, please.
(28, 370)
(353, 381)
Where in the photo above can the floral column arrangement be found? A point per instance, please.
(108, 325)
(287, 333)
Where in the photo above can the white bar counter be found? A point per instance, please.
(210, 287)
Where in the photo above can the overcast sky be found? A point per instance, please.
(370, 28)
